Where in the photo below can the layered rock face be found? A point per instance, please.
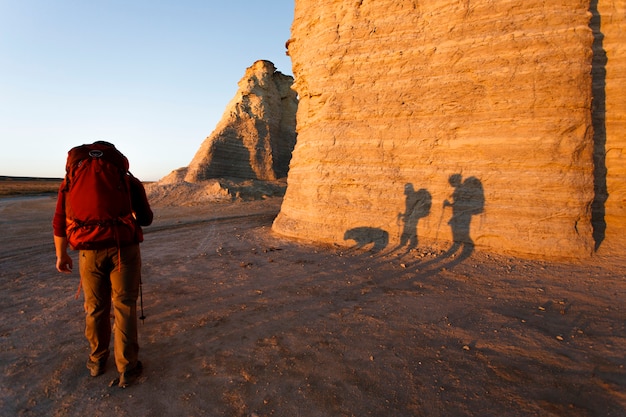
(256, 135)
(465, 121)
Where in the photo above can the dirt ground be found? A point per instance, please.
(242, 322)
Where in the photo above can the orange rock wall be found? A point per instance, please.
(402, 101)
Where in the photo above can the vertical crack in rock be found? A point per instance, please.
(599, 126)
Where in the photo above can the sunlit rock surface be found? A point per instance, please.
(256, 135)
(464, 121)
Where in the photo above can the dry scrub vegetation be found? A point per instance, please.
(15, 186)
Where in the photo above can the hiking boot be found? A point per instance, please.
(96, 368)
(127, 378)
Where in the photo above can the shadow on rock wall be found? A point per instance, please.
(467, 200)
(598, 114)
(417, 206)
(364, 236)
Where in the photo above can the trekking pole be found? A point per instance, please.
(443, 211)
(142, 317)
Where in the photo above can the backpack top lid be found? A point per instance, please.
(104, 142)
(98, 149)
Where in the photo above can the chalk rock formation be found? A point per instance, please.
(482, 106)
(256, 135)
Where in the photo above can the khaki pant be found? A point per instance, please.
(111, 276)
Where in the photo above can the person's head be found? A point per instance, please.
(455, 180)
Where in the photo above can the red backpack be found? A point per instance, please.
(98, 205)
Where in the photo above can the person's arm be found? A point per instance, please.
(64, 260)
(139, 201)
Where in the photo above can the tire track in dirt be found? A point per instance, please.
(10, 254)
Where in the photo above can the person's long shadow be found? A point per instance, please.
(467, 200)
(417, 206)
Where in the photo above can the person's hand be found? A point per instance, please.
(65, 263)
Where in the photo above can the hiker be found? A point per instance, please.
(417, 206)
(100, 210)
(468, 200)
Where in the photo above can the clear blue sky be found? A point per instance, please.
(151, 76)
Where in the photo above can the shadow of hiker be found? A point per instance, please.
(417, 206)
(468, 199)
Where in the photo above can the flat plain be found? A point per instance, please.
(242, 322)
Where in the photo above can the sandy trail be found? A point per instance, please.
(241, 322)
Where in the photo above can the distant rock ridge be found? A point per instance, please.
(468, 122)
(256, 135)
(247, 155)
